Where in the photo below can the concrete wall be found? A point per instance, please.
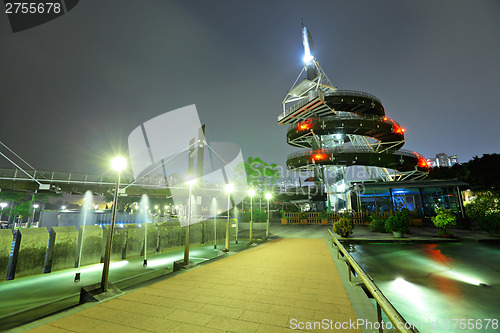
(92, 244)
(30, 252)
(118, 242)
(6, 238)
(134, 244)
(74, 219)
(170, 234)
(49, 219)
(62, 250)
(32, 256)
(152, 246)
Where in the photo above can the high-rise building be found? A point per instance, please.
(442, 160)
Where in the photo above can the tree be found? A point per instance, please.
(483, 204)
(480, 171)
(443, 219)
(259, 173)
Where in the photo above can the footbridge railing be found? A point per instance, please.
(383, 303)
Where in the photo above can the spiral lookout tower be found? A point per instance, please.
(339, 129)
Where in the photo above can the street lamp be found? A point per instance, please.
(35, 206)
(251, 192)
(186, 243)
(268, 197)
(229, 189)
(3, 205)
(118, 164)
(214, 204)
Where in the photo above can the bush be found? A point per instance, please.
(343, 227)
(377, 224)
(443, 219)
(482, 205)
(399, 222)
(258, 216)
(323, 215)
(490, 223)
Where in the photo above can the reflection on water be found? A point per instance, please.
(436, 284)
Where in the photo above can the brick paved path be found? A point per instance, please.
(268, 288)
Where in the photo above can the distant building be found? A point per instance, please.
(442, 160)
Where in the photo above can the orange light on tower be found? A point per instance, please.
(319, 157)
(397, 129)
(422, 163)
(305, 125)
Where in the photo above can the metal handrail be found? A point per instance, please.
(352, 149)
(306, 100)
(354, 93)
(382, 302)
(350, 116)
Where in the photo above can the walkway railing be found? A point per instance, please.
(358, 218)
(383, 303)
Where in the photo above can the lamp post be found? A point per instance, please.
(189, 207)
(118, 164)
(3, 205)
(214, 203)
(268, 197)
(251, 192)
(229, 189)
(35, 206)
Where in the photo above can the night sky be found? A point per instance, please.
(73, 89)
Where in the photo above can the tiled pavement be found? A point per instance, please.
(258, 290)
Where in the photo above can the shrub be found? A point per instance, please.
(399, 222)
(443, 219)
(482, 205)
(490, 223)
(323, 215)
(377, 224)
(343, 227)
(258, 215)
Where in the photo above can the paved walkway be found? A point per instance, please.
(268, 288)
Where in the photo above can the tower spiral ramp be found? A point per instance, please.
(339, 129)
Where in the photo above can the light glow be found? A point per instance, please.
(251, 192)
(268, 196)
(229, 188)
(118, 163)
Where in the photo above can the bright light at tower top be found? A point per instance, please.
(308, 46)
(118, 163)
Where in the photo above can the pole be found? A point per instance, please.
(227, 224)
(186, 243)
(145, 262)
(236, 229)
(267, 225)
(251, 219)
(215, 223)
(107, 254)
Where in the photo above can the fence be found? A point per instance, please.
(383, 304)
(358, 218)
